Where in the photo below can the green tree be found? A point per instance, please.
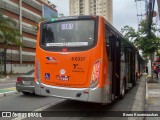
(35, 28)
(8, 35)
(148, 43)
(129, 33)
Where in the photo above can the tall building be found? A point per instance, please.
(92, 7)
(27, 13)
(158, 2)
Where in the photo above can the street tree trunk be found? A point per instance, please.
(5, 52)
(151, 58)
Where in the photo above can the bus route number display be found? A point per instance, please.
(67, 26)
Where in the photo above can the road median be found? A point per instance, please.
(8, 91)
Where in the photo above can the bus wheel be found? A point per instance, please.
(123, 90)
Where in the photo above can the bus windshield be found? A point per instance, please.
(75, 33)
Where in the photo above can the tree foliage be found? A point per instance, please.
(36, 27)
(129, 33)
(9, 34)
(149, 44)
(143, 27)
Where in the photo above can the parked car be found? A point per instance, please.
(25, 83)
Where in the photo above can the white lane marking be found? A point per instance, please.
(49, 105)
(7, 83)
(42, 108)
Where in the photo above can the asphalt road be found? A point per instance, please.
(20, 102)
(75, 110)
(7, 85)
(73, 106)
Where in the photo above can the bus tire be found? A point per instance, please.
(122, 94)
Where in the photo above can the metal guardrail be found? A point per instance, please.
(9, 7)
(15, 57)
(29, 44)
(30, 16)
(28, 58)
(28, 29)
(33, 4)
(16, 10)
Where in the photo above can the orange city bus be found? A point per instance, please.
(84, 58)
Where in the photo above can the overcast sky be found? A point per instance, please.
(124, 11)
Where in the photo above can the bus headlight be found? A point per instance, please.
(37, 71)
(95, 74)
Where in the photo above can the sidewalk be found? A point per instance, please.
(153, 98)
(139, 101)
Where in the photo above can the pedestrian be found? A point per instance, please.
(155, 70)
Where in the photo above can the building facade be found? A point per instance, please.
(26, 13)
(158, 2)
(92, 7)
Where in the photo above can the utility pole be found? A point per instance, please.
(150, 16)
(150, 19)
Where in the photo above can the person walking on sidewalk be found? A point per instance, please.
(155, 70)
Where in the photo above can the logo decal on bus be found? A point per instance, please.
(77, 69)
(47, 76)
(51, 59)
(62, 71)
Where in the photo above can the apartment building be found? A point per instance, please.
(92, 7)
(27, 13)
(158, 2)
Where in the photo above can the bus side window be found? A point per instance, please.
(108, 45)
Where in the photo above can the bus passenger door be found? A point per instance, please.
(131, 68)
(115, 55)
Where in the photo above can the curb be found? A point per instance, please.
(146, 97)
(1, 95)
(139, 104)
(8, 93)
(146, 91)
(1, 80)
